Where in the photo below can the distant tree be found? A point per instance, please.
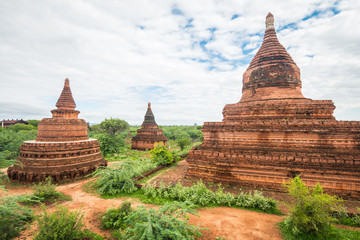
(21, 127)
(34, 123)
(113, 126)
(183, 142)
(110, 144)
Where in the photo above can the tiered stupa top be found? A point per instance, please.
(149, 119)
(64, 124)
(272, 73)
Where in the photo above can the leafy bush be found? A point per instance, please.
(312, 210)
(116, 180)
(46, 189)
(168, 222)
(13, 217)
(115, 218)
(119, 179)
(61, 224)
(161, 155)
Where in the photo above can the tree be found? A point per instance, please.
(109, 144)
(34, 123)
(183, 142)
(113, 126)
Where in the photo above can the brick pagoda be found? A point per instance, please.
(274, 133)
(149, 134)
(62, 148)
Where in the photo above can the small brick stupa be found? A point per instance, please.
(149, 134)
(273, 133)
(62, 148)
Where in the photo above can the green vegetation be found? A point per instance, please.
(199, 194)
(44, 192)
(13, 217)
(111, 134)
(11, 139)
(63, 225)
(112, 126)
(119, 179)
(162, 155)
(115, 218)
(168, 222)
(311, 216)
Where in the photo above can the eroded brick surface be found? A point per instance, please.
(62, 148)
(273, 133)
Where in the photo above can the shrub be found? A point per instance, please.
(13, 217)
(61, 225)
(116, 180)
(115, 218)
(161, 155)
(46, 190)
(168, 222)
(201, 195)
(311, 213)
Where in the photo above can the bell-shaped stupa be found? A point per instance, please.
(149, 134)
(274, 133)
(62, 148)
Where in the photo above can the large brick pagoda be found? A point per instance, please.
(62, 148)
(274, 133)
(149, 134)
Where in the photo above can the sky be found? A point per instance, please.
(185, 57)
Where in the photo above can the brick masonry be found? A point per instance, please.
(273, 133)
(62, 148)
(149, 134)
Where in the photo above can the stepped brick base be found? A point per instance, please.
(59, 160)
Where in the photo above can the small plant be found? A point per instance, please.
(344, 219)
(46, 189)
(168, 222)
(115, 218)
(61, 224)
(13, 217)
(44, 192)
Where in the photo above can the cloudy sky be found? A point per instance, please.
(186, 57)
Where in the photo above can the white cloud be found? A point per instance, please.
(117, 52)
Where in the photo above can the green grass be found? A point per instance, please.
(333, 233)
(127, 153)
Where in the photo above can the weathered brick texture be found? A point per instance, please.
(274, 133)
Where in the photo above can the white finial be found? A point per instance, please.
(269, 22)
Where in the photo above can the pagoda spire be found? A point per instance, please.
(272, 72)
(66, 100)
(149, 118)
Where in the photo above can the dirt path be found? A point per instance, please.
(227, 223)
